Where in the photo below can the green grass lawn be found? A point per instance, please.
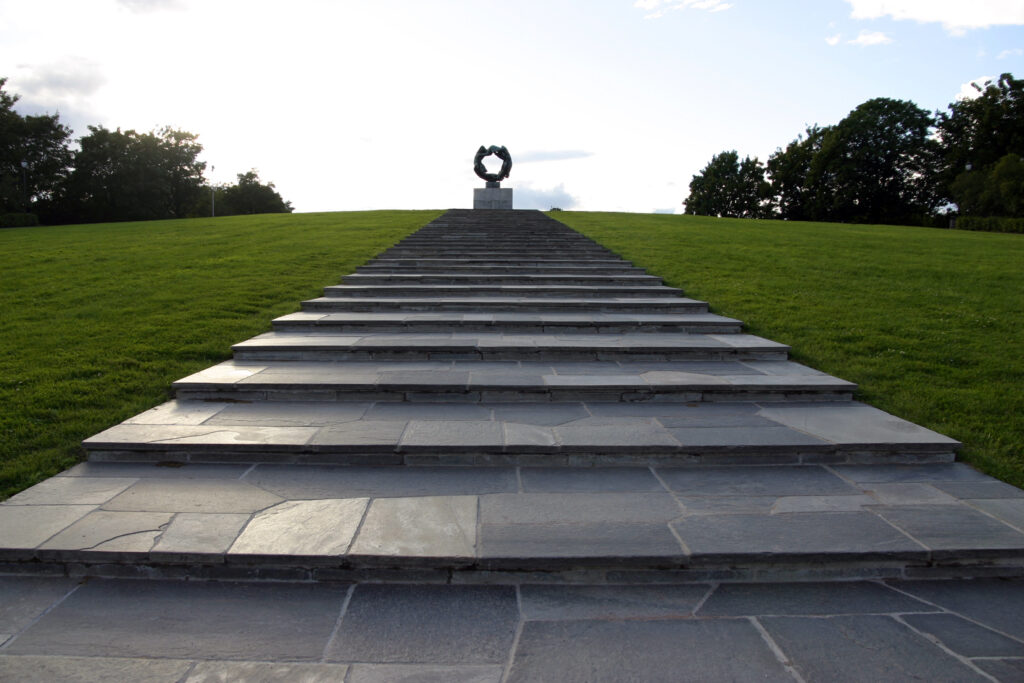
(96, 321)
(927, 322)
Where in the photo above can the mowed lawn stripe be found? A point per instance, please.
(928, 322)
(96, 321)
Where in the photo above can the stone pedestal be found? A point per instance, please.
(492, 197)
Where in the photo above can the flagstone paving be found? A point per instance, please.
(68, 629)
(497, 452)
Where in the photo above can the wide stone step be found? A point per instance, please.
(482, 382)
(589, 323)
(528, 240)
(488, 245)
(614, 280)
(555, 434)
(498, 346)
(490, 305)
(580, 291)
(517, 524)
(540, 263)
(374, 268)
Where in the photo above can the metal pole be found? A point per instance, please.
(213, 195)
(24, 185)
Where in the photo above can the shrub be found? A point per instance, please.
(18, 220)
(991, 224)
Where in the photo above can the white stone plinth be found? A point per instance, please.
(492, 198)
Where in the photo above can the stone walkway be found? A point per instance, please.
(500, 448)
(121, 630)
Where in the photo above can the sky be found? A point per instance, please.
(604, 105)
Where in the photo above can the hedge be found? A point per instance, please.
(990, 224)
(18, 220)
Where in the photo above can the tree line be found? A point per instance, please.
(113, 175)
(888, 161)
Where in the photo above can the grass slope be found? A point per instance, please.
(927, 322)
(96, 321)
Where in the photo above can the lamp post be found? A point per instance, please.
(24, 185)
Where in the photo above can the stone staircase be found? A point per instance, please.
(497, 398)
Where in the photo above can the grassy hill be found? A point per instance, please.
(96, 321)
(928, 322)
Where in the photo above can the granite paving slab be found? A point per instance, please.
(425, 673)
(91, 669)
(810, 599)
(191, 533)
(789, 537)
(23, 599)
(430, 526)
(997, 604)
(210, 495)
(540, 602)
(109, 532)
(171, 619)
(599, 650)
(965, 637)
(427, 624)
(27, 526)
(72, 491)
(859, 648)
(267, 672)
(1008, 511)
(304, 528)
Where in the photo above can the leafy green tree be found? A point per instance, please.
(976, 134)
(788, 172)
(250, 196)
(728, 187)
(876, 166)
(184, 172)
(34, 157)
(997, 192)
(122, 176)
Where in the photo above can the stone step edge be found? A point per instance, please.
(507, 394)
(582, 456)
(499, 304)
(501, 280)
(414, 261)
(723, 326)
(280, 352)
(964, 563)
(457, 266)
(524, 290)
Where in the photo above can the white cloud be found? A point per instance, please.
(956, 16)
(67, 78)
(869, 38)
(968, 91)
(834, 40)
(550, 155)
(525, 196)
(658, 8)
(1016, 52)
(150, 5)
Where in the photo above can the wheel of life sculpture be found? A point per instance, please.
(501, 153)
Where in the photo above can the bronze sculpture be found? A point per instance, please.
(501, 153)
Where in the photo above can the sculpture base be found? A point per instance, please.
(492, 198)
